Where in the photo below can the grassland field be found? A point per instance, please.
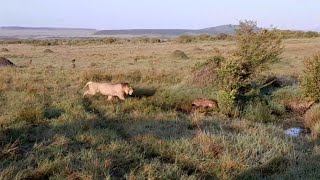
(49, 131)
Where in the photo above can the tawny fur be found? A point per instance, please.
(205, 103)
(108, 89)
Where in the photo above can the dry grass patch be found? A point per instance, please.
(208, 144)
(312, 120)
(198, 49)
(4, 50)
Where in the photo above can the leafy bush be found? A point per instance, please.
(226, 101)
(310, 81)
(256, 50)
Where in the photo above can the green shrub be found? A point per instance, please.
(310, 80)
(257, 48)
(258, 111)
(226, 100)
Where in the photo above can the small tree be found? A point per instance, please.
(256, 50)
(310, 81)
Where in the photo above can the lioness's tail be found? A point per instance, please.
(87, 84)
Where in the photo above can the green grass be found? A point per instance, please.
(48, 130)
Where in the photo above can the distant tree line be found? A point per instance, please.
(286, 34)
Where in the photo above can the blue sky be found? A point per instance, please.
(123, 14)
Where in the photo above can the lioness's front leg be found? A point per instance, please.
(121, 96)
(109, 98)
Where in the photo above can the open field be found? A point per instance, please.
(48, 130)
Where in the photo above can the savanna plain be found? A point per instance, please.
(48, 130)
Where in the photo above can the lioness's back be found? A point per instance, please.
(110, 88)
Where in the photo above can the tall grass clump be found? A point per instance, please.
(312, 120)
(259, 111)
(310, 81)
(33, 115)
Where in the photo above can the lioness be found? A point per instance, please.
(109, 89)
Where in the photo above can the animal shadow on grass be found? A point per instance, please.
(305, 168)
(161, 129)
(276, 165)
(143, 92)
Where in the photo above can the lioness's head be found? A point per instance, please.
(127, 89)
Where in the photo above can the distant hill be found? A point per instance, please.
(227, 29)
(17, 32)
(43, 28)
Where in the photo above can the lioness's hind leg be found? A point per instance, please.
(85, 93)
(89, 92)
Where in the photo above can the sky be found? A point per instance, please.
(160, 14)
